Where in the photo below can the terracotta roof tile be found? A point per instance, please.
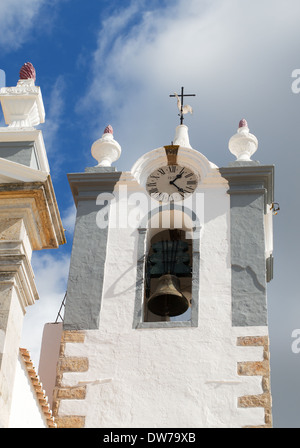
(37, 386)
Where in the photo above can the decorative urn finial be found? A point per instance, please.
(27, 71)
(243, 144)
(106, 150)
(243, 123)
(23, 105)
(108, 130)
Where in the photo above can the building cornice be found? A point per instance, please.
(256, 178)
(88, 185)
(35, 202)
(28, 135)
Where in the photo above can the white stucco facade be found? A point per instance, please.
(26, 411)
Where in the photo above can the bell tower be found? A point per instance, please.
(166, 312)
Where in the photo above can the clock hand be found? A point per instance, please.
(178, 188)
(177, 177)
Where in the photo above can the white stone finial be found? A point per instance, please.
(23, 105)
(243, 144)
(106, 150)
(182, 136)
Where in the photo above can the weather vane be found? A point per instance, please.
(183, 109)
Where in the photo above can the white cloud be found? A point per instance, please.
(51, 273)
(19, 20)
(162, 46)
(68, 219)
(55, 108)
(233, 54)
(16, 20)
(54, 113)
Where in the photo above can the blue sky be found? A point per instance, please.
(116, 62)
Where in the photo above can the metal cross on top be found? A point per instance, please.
(183, 109)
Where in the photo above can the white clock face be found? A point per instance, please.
(171, 183)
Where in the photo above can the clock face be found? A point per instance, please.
(171, 183)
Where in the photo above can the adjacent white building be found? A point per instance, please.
(29, 220)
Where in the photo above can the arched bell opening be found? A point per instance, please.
(168, 277)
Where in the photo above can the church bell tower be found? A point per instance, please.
(165, 322)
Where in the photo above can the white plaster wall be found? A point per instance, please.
(25, 410)
(177, 377)
(9, 346)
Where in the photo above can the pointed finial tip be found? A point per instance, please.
(106, 150)
(27, 71)
(243, 123)
(108, 130)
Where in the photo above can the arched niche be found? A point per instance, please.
(162, 223)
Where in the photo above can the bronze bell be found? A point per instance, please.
(167, 300)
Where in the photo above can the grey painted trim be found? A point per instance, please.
(140, 276)
(87, 186)
(244, 163)
(269, 268)
(23, 153)
(248, 266)
(249, 177)
(247, 191)
(251, 188)
(86, 275)
(151, 325)
(195, 282)
(100, 169)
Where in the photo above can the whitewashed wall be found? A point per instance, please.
(176, 377)
(25, 410)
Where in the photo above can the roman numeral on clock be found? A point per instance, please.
(153, 190)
